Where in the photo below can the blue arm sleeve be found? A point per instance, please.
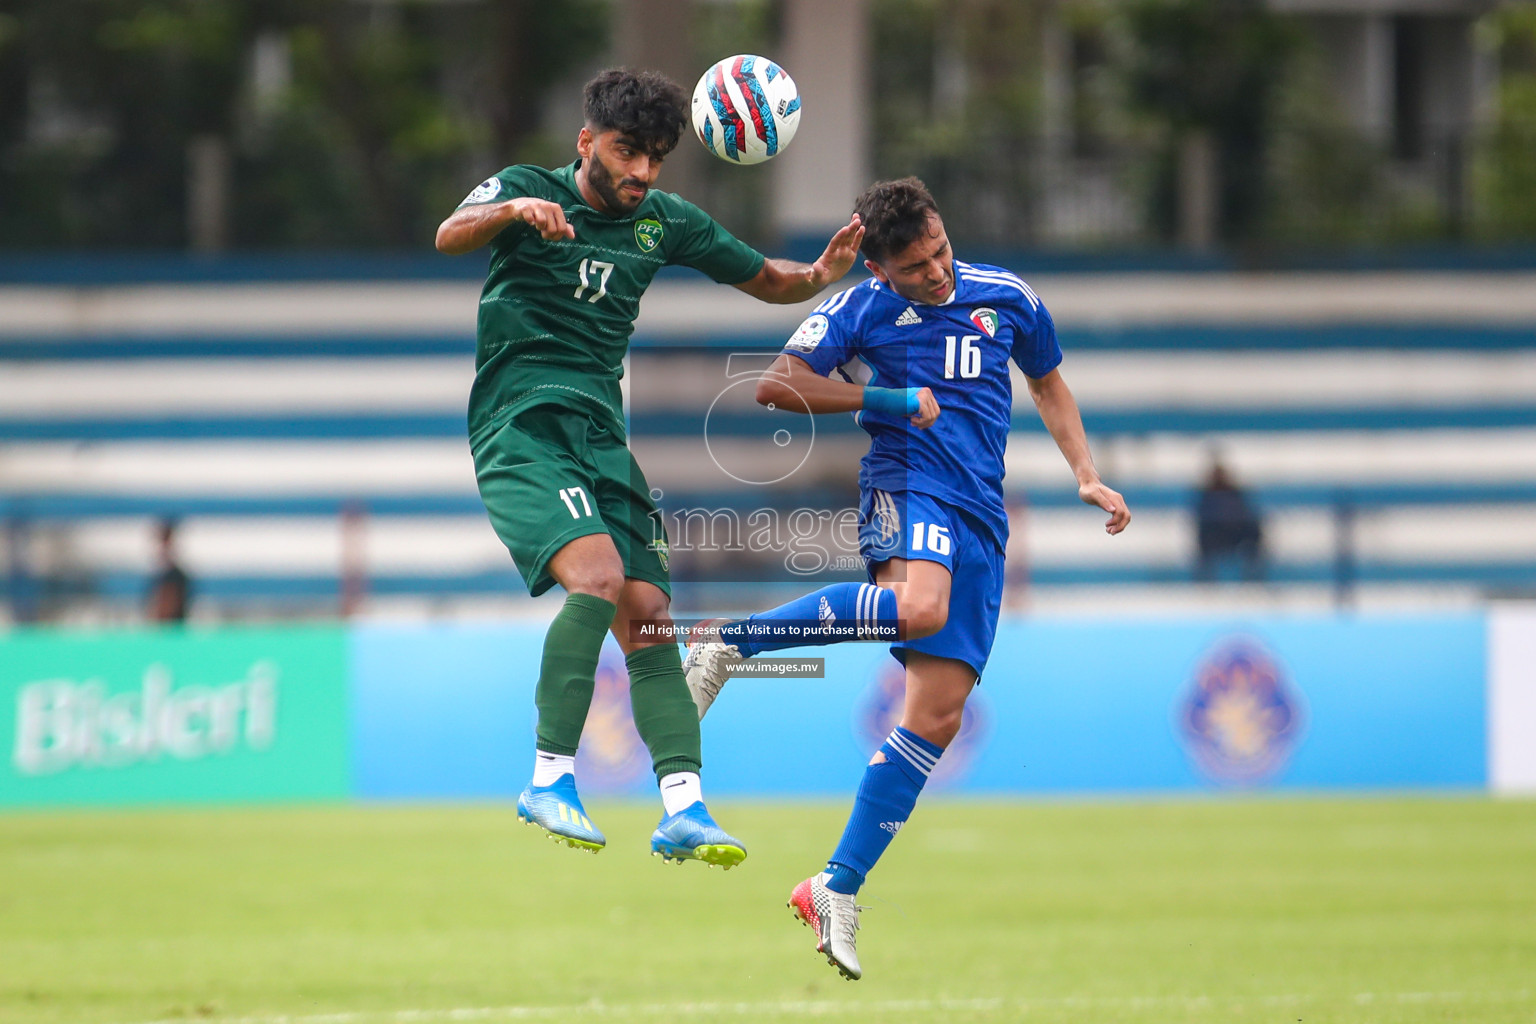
(892, 401)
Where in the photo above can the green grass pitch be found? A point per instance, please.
(1369, 910)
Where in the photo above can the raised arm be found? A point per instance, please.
(470, 227)
(1058, 410)
(786, 281)
(790, 384)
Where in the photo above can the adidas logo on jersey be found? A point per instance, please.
(892, 826)
(908, 318)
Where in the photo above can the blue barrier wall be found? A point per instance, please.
(1068, 706)
(443, 711)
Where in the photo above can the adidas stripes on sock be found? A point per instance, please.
(885, 800)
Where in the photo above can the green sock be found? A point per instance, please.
(665, 716)
(571, 649)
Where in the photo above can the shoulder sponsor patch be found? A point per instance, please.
(487, 190)
(809, 334)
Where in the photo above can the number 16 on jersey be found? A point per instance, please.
(970, 356)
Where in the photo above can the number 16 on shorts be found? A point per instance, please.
(936, 536)
(572, 495)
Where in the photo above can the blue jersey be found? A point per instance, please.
(960, 349)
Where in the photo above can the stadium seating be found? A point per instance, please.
(1385, 425)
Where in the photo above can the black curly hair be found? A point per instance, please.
(895, 214)
(647, 106)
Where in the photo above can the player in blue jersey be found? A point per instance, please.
(920, 353)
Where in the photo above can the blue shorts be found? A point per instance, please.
(901, 524)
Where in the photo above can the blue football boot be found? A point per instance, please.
(558, 811)
(691, 834)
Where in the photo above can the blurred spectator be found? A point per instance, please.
(1227, 527)
(21, 584)
(171, 591)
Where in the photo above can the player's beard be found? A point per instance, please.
(601, 180)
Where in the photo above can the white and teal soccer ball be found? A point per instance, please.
(746, 109)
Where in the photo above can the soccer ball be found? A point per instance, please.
(746, 109)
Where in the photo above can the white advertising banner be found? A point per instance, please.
(1512, 699)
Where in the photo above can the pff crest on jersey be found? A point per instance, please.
(648, 234)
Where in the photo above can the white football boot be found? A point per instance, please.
(708, 663)
(834, 917)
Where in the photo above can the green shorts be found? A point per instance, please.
(556, 472)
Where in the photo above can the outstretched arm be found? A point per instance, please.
(470, 227)
(1058, 410)
(786, 281)
(790, 384)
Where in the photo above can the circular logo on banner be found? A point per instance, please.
(1240, 719)
(809, 334)
(878, 711)
(611, 759)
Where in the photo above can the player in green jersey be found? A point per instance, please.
(572, 251)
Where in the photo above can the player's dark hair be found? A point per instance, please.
(895, 214)
(647, 106)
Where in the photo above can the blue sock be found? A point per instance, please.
(884, 802)
(831, 615)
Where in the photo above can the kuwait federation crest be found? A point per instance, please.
(985, 317)
(1240, 718)
(647, 234)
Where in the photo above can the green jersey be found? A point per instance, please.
(556, 316)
